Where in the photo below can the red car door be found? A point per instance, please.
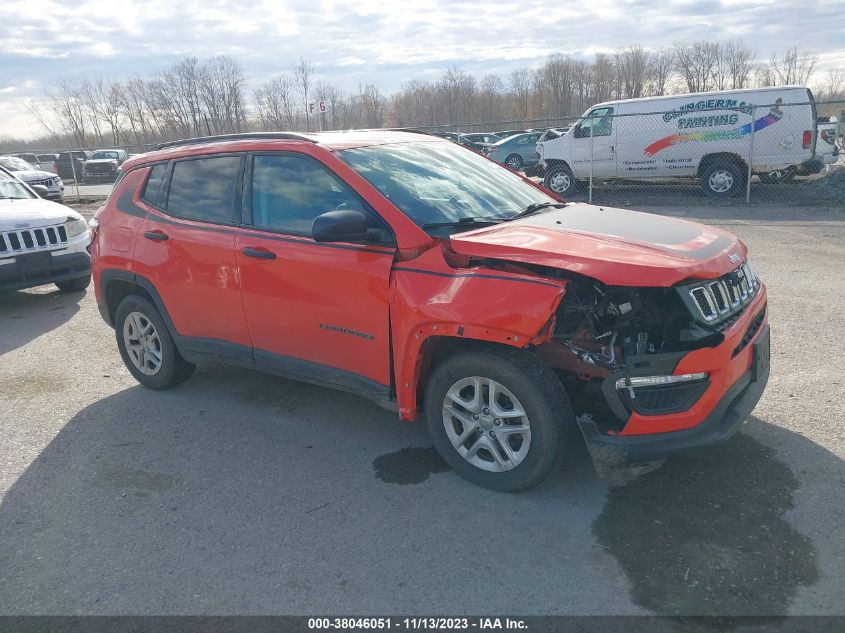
(186, 250)
(318, 310)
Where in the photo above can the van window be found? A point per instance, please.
(204, 188)
(289, 191)
(599, 121)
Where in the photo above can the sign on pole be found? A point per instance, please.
(318, 107)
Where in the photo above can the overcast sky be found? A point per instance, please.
(372, 41)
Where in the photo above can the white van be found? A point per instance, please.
(703, 135)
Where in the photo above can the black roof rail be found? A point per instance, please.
(293, 136)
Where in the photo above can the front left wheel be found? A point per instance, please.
(74, 285)
(498, 417)
(146, 346)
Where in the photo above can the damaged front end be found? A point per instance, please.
(618, 349)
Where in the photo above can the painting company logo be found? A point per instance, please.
(786, 143)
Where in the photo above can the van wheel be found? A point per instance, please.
(514, 161)
(722, 179)
(560, 180)
(497, 417)
(74, 285)
(146, 345)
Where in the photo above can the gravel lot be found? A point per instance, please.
(244, 493)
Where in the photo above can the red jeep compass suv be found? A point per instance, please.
(417, 273)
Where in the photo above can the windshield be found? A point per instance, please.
(104, 155)
(442, 182)
(15, 164)
(12, 188)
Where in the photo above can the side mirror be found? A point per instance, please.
(41, 190)
(342, 225)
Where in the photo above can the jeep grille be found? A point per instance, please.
(25, 240)
(716, 301)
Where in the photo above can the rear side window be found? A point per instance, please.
(205, 188)
(153, 190)
(288, 192)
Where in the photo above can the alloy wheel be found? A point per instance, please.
(142, 342)
(486, 424)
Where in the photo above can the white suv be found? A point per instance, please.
(41, 242)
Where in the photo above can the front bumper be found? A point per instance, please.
(738, 370)
(737, 403)
(16, 276)
(99, 176)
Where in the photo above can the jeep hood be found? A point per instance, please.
(616, 246)
(31, 213)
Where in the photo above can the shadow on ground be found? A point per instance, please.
(706, 535)
(25, 316)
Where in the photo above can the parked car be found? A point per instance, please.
(479, 141)
(54, 188)
(508, 133)
(103, 165)
(827, 153)
(517, 152)
(71, 164)
(41, 242)
(419, 274)
(456, 138)
(702, 135)
(39, 163)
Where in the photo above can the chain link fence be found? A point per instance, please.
(780, 154)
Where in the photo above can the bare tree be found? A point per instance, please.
(697, 63)
(303, 72)
(792, 67)
(490, 90)
(558, 76)
(520, 85)
(274, 103)
(834, 83)
(662, 67)
(739, 61)
(634, 64)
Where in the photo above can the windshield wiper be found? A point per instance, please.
(531, 209)
(464, 221)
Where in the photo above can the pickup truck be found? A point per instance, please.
(38, 164)
(71, 170)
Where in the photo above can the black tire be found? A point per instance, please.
(731, 185)
(514, 161)
(537, 389)
(74, 285)
(174, 369)
(560, 181)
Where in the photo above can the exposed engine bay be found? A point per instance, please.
(604, 325)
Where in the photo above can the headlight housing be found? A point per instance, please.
(75, 226)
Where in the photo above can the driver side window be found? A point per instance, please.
(598, 122)
(289, 191)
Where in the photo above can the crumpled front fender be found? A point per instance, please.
(430, 299)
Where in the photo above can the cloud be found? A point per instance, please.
(371, 41)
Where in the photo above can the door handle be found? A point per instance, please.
(156, 236)
(258, 254)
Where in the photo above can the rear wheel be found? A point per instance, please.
(498, 418)
(560, 180)
(74, 285)
(514, 161)
(146, 345)
(722, 179)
